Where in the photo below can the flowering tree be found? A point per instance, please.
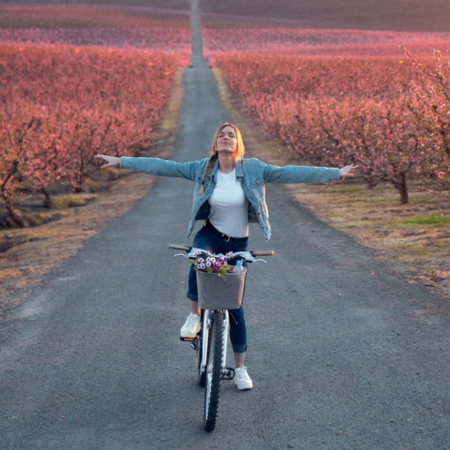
(384, 143)
(431, 107)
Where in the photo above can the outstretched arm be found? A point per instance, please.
(348, 171)
(110, 160)
(156, 166)
(302, 174)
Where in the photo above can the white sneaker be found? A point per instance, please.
(241, 379)
(191, 327)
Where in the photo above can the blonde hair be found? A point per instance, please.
(240, 148)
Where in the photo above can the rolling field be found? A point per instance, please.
(146, 28)
(178, 5)
(395, 15)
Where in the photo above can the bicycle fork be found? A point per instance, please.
(227, 373)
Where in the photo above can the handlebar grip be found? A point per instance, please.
(262, 252)
(185, 248)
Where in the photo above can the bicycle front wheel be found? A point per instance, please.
(214, 371)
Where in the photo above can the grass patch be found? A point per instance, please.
(378, 200)
(433, 219)
(347, 189)
(70, 200)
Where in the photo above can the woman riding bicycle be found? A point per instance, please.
(229, 193)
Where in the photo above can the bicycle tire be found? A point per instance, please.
(213, 372)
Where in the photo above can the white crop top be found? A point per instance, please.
(229, 206)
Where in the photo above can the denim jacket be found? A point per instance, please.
(252, 173)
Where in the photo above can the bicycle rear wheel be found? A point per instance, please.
(214, 371)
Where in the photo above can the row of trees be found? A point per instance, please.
(380, 113)
(159, 37)
(310, 41)
(60, 105)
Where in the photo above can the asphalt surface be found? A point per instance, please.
(344, 353)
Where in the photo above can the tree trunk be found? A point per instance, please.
(10, 208)
(6, 195)
(402, 188)
(47, 198)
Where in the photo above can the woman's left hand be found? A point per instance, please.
(348, 171)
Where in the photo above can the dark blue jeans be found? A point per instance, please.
(207, 240)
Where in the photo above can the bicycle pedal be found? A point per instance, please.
(192, 341)
(228, 373)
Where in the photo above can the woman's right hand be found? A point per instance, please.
(110, 160)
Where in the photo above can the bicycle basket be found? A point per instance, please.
(224, 291)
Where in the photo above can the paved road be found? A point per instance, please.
(344, 354)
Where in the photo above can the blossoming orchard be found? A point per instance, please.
(73, 84)
(383, 114)
(61, 105)
(375, 98)
(75, 81)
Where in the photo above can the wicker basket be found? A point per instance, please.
(224, 291)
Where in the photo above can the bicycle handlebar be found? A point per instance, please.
(262, 252)
(180, 247)
(187, 249)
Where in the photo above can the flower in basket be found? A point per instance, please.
(211, 264)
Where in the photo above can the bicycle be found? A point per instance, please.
(217, 294)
